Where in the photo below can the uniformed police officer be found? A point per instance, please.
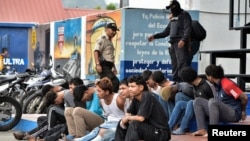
(179, 31)
(104, 54)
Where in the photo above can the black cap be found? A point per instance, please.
(112, 26)
(172, 3)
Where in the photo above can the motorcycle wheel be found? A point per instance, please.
(10, 113)
(34, 104)
(25, 96)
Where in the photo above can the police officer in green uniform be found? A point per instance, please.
(104, 54)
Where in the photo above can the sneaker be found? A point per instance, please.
(179, 131)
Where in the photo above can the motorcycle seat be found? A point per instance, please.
(8, 78)
(22, 75)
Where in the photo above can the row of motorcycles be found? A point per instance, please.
(21, 93)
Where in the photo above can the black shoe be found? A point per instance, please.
(19, 135)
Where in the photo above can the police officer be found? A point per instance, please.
(179, 30)
(104, 54)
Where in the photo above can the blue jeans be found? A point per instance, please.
(168, 106)
(109, 134)
(183, 113)
(180, 96)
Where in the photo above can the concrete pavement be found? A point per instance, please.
(27, 123)
(7, 136)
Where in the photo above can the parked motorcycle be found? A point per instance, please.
(10, 108)
(17, 87)
(35, 104)
(36, 81)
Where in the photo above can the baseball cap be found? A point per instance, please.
(172, 3)
(112, 26)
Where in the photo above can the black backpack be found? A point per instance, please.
(198, 31)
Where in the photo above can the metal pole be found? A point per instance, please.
(121, 3)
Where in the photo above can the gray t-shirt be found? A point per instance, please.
(68, 99)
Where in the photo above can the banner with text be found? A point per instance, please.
(15, 41)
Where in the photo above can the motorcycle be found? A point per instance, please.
(72, 66)
(10, 108)
(17, 87)
(35, 82)
(35, 103)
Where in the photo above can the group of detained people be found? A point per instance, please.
(92, 111)
(216, 99)
(210, 101)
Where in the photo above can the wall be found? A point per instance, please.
(21, 52)
(40, 37)
(66, 37)
(161, 4)
(15, 39)
(214, 16)
(95, 28)
(133, 52)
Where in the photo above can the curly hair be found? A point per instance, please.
(188, 74)
(105, 84)
(138, 80)
(214, 71)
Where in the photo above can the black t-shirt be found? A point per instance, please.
(204, 90)
(150, 108)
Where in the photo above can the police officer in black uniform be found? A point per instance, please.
(179, 30)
